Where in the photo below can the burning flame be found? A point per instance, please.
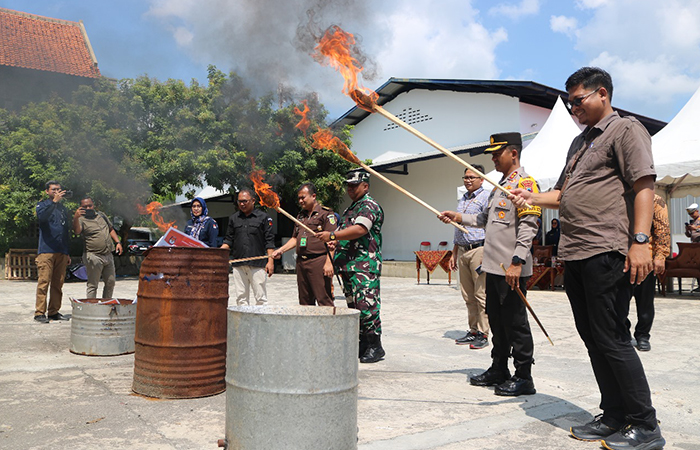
(337, 45)
(304, 123)
(323, 138)
(153, 209)
(267, 196)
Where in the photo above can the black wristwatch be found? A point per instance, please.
(332, 236)
(518, 261)
(641, 238)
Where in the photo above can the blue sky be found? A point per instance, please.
(651, 48)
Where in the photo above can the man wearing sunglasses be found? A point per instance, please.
(250, 234)
(605, 199)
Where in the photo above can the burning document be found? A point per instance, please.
(175, 238)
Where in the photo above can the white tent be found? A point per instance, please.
(544, 158)
(677, 152)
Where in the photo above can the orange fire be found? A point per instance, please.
(337, 45)
(267, 196)
(153, 209)
(323, 138)
(304, 123)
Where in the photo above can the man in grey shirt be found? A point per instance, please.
(605, 198)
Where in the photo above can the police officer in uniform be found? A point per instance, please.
(358, 258)
(314, 263)
(509, 234)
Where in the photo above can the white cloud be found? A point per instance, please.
(591, 4)
(525, 8)
(460, 47)
(651, 49)
(563, 24)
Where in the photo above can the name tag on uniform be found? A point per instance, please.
(302, 242)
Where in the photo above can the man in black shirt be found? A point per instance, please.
(250, 234)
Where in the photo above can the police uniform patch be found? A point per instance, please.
(269, 221)
(512, 176)
(501, 215)
(331, 219)
(502, 204)
(527, 184)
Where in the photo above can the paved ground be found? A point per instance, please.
(417, 398)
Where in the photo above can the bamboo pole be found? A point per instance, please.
(411, 196)
(366, 103)
(295, 220)
(529, 308)
(252, 258)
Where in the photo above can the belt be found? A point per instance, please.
(472, 246)
(305, 257)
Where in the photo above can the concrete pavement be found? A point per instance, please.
(418, 398)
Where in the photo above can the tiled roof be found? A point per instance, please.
(42, 43)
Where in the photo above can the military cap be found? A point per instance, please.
(358, 176)
(500, 140)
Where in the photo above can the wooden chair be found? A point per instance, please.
(543, 254)
(685, 265)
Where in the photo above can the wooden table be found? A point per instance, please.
(432, 259)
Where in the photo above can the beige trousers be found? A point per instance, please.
(51, 268)
(473, 287)
(99, 266)
(247, 277)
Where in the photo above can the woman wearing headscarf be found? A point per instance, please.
(201, 226)
(552, 236)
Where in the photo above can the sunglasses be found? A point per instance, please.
(579, 100)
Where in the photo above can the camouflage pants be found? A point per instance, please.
(362, 293)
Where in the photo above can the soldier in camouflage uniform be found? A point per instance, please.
(509, 234)
(358, 258)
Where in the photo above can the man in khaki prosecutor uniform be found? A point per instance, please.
(314, 263)
(509, 234)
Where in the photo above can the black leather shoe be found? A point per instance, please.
(41, 318)
(635, 437)
(643, 345)
(515, 386)
(491, 377)
(594, 430)
(58, 316)
(374, 352)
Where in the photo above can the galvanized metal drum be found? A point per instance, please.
(102, 330)
(291, 378)
(181, 323)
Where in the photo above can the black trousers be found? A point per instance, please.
(644, 299)
(510, 329)
(600, 293)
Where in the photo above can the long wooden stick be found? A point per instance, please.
(295, 220)
(529, 308)
(411, 196)
(365, 102)
(252, 258)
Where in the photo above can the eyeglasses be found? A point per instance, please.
(579, 100)
(470, 178)
(243, 201)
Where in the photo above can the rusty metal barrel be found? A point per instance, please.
(291, 378)
(102, 329)
(181, 323)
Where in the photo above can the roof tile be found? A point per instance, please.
(42, 43)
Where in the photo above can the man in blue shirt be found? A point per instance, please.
(467, 254)
(52, 255)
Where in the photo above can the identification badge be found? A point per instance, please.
(302, 242)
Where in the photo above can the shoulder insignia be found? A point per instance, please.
(325, 208)
(269, 221)
(512, 176)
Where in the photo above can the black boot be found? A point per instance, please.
(374, 351)
(363, 345)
